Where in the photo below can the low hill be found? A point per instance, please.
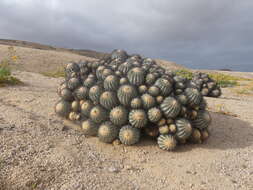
(39, 58)
(20, 43)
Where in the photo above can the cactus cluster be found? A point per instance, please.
(206, 85)
(126, 97)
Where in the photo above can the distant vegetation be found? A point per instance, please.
(184, 73)
(55, 74)
(246, 88)
(6, 77)
(223, 80)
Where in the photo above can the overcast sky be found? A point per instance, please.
(212, 34)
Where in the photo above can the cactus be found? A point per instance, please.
(122, 97)
(167, 142)
(129, 135)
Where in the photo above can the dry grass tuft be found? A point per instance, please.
(55, 74)
(5, 72)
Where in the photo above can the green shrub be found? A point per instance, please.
(184, 73)
(5, 74)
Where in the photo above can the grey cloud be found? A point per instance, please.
(196, 33)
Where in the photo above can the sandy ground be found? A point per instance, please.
(39, 61)
(36, 153)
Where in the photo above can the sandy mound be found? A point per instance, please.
(36, 153)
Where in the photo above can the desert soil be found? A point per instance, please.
(36, 152)
(40, 61)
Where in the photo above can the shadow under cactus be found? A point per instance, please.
(226, 132)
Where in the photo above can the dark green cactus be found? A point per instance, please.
(170, 107)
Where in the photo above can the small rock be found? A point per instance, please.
(113, 169)
(128, 167)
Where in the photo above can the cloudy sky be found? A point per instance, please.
(211, 34)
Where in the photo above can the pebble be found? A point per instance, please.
(113, 169)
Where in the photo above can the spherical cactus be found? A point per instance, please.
(164, 85)
(107, 132)
(138, 118)
(154, 114)
(126, 93)
(118, 73)
(148, 101)
(86, 107)
(72, 68)
(89, 82)
(136, 103)
(98, 114)
(173, 128)
(164, 129)
(106, 72)
(108, 99)
(196, 136)
(119, 54)
(170, 107)
(159, 99)
(81, 93)
(193, 95)
(95, 92)
(74, 116)
(204, 91)
(211, 85)
(75, 106)
(129, 135)
(180, 85)
(119, 115)
(182, 99)
(154, 91)
(123, 81)
(142, 89)
(136, 64)
(89, 127)
(99, 71)
(62, 108)
(161, 122)
(125, 67)
(111, 82)
(184, 128)
(215, 93)
(150, 79)
(136, 76)
(204, 134)
(66, 94)
(73, 83)
(202, 120)
(167, 142)
(62, 86)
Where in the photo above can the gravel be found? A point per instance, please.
(35, 153)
